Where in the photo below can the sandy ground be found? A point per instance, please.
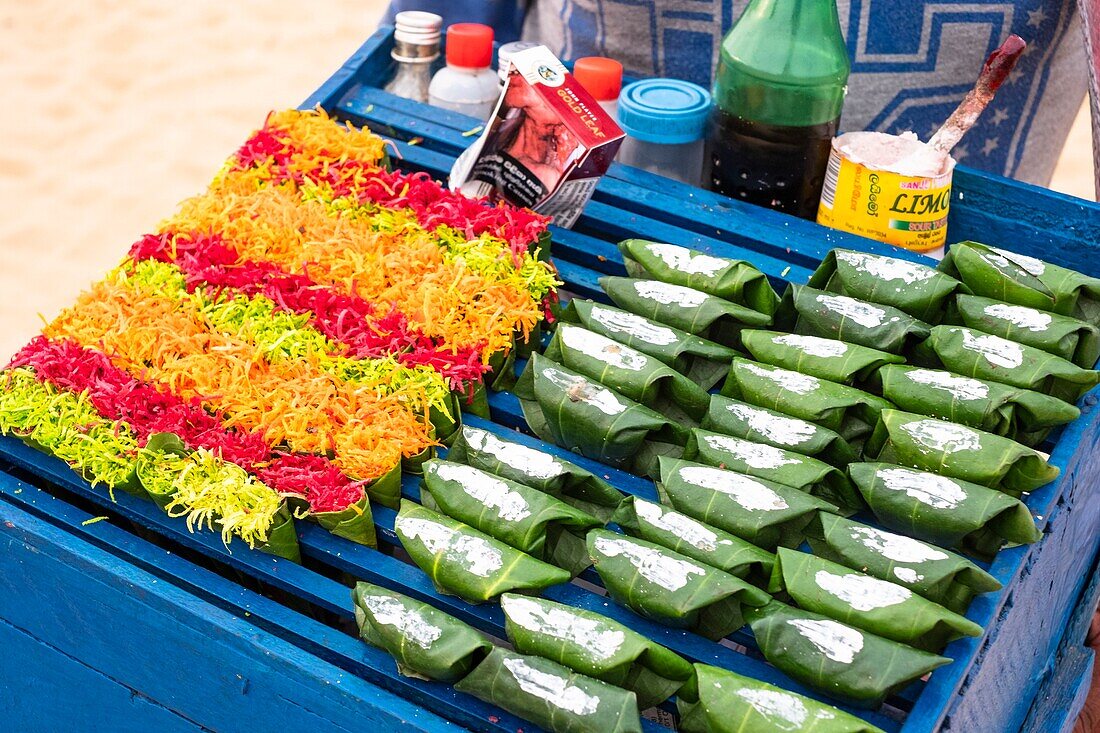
(117, 110)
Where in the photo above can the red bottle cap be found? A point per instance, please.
(470, 45)
(601, 77)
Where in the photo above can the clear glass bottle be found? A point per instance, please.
(415, 46)
(782, 73)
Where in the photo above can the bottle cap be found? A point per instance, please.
(601, 77)
(665, 111)
(470, 45)
(417, 27)
(505, 54)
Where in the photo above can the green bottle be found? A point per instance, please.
(782, 74)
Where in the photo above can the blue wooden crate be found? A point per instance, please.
(166, 630)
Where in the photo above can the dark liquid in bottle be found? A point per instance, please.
(776, 166)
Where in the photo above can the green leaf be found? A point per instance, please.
(919, 290)
(936, 574)
(765, 513)
(1015, 278)
(887, 609)
(947, 511)
(1069, 338)
(670, 588)
(577, 413)
(775, 464)
(761, 425)
(734, 280)
(556, 476)
(690, 310)
(166, 443)
(282, 537)
(464, 562)
(703, 362)
(720, 701)
(690, 537)
(524, 518)
(819, 357)
(355, 522)
(424, 641)
(627, 371)
(975, 354)
(813, 312)
(834, 658)
(595, 646)
(996, 408)
(957, 451)
(551, 696)
(846, 410)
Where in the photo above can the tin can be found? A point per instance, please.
(869, 194)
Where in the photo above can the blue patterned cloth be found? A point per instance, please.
(912, 61)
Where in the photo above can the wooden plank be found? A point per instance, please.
(190, 656)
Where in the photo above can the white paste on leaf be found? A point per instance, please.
(896, 547)
(812, 345)
(755, 455)
(1020, 316)
(938, 492)
(886, 268)
(782, 709)
(996, 350)
(597, 640)
(680, 259)
(836, 641)
(1032, 265)
(943, 437)
(695, 533)
(553, 689)
(579, 389)
(475, 554)
(865, 314)
(485, 488)
(745, 490)
(961, 388)
(908, 575)
(668, 294)
(656, 566)
(411, 625)
(861, 592)
(776, 428)
(521, 457)
(634, 326)
(791, 381)
(602, 348)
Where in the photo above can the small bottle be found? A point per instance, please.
(505, 54)
(665, 121)
(782, 74)
(415, 46)
(603, 79)
(467, 84)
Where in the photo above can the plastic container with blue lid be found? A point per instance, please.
(665, 121)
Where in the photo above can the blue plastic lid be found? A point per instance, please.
(665, 111)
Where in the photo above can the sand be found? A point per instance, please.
(118, 110)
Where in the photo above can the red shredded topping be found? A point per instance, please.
(147, 410)
(206, 260)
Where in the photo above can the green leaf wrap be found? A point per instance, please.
(424, 641)
(282, 537)
(819, 357)
(935, 573)
(974, 354)
(464, 562)
(887, 609)
(703, 362)
(850, 412)
(762, 425)
(834, 658)
(991, 406)
(1014, 278)
(817, 313)
(524, 518)
(629, 372)
(765, 513)
(947, 511)
(556, 476)
(737, 281)
(356, 522)
(577, 413)
(678, 532)
(595, 646)
(775, 464)
(958, 451)
(670, 588)
(720, 701)
(551, 696)
(685, 308)
(919, 290)
(1069, 338)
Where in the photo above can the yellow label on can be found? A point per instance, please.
(905, 211)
